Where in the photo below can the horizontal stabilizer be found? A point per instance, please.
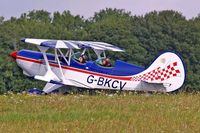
(145, 86)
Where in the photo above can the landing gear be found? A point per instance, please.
(35, 91)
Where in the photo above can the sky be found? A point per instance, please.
(87, 8)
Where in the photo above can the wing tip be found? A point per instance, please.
(23, 39)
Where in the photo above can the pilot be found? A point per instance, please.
(106, 62)
(83, 58)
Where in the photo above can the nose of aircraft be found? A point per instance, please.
(13, 54)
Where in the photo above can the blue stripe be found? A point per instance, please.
(121, 68)
(51, 44)
(34, 55)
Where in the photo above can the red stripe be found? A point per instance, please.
(28, 59)
(75, 69)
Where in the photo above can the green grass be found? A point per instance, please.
(83, 113)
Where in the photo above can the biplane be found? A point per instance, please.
(71, 63)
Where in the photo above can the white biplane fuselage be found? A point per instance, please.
(165, 74)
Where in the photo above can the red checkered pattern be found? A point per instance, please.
(159, 74)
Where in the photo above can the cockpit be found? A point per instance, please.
(98, 57)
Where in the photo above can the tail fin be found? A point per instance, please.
(168, 69)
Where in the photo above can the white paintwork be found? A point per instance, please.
(49, 75)
(35, 41)
(84, 78)
(74, 44)
(49, 87)
(80, 79)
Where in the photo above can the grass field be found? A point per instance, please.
(84, 113)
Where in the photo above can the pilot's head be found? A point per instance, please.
(104, 62)
(82, 59)
(107, 59)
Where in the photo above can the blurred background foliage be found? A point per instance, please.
(143, 38)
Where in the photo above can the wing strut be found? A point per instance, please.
(68, 52)
(49, 75)
(62, 75)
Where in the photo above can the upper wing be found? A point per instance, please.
(51, 43)
(70, 44)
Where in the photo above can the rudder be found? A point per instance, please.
(168, 69)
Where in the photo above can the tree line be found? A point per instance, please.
(143, 38)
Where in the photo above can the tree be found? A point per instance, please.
(143, 38)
